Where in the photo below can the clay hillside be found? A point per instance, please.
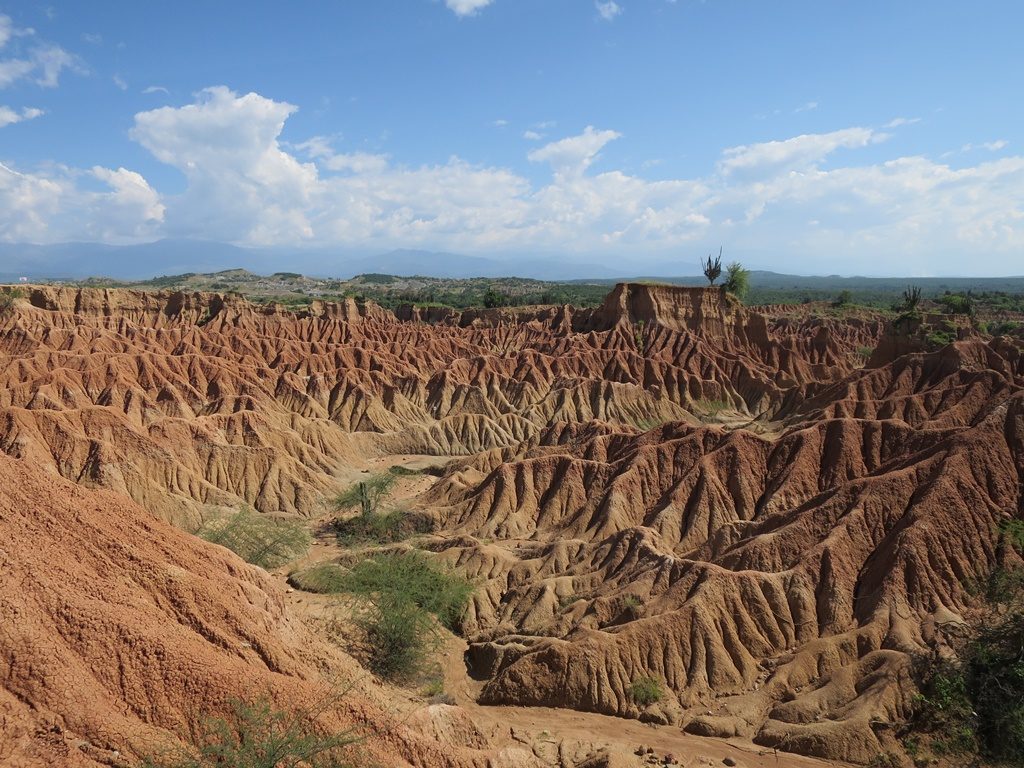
(718, 532)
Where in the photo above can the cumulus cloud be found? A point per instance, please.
(241, 184)
(797, 153)
(9, 116)
(466, 7)
(245, 185)
(607, 10)
(573, 155)
(55, 206)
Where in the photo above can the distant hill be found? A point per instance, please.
(174, 257)
(815, 286)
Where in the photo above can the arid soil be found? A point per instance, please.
(744, 506)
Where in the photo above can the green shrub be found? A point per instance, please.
(843, 299)
(976, 705)
(259, 539)
(259, 736)
(566, 600)
(323, 579)
(737, 280)
(367, 495)
(401, 636)
(415, 577)
(382, 527)
(372, 524)
(399, 471)
(646, 691)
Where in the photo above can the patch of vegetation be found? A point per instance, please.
(1001, 327)
(399, 471)
(8, 298)
(638, 334)
(403, 590)
(646, 691)
(631, 601)
(711, 408)
(366, 495)
(322, 579)
(844, 299)
(566, 600)
(416, 577)
(975, 706)
(493, 299)
(737, 280)
(382, 527)
(957, 303)
(938, 337)
(258, 539)
(401, 637)
(258, 735)
(404, 597)
(373, 524)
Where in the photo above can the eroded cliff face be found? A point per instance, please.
(669, 485)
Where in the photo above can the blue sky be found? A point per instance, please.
(836, 137)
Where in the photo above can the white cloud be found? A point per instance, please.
(607, 10)
(799, 153)
(532, 135)
(120, 82)
(896, 122)
(9, 116)
(466, 7)
(991, 146)
(12, 70)
(244, 185)
(50, 61)
(155, 89)
(319, 148)
(54, 207)
(8, 31)
(573, 155)
(500, 123)
(45, 63)
(807, 107)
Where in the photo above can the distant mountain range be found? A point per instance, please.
(173, 257)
